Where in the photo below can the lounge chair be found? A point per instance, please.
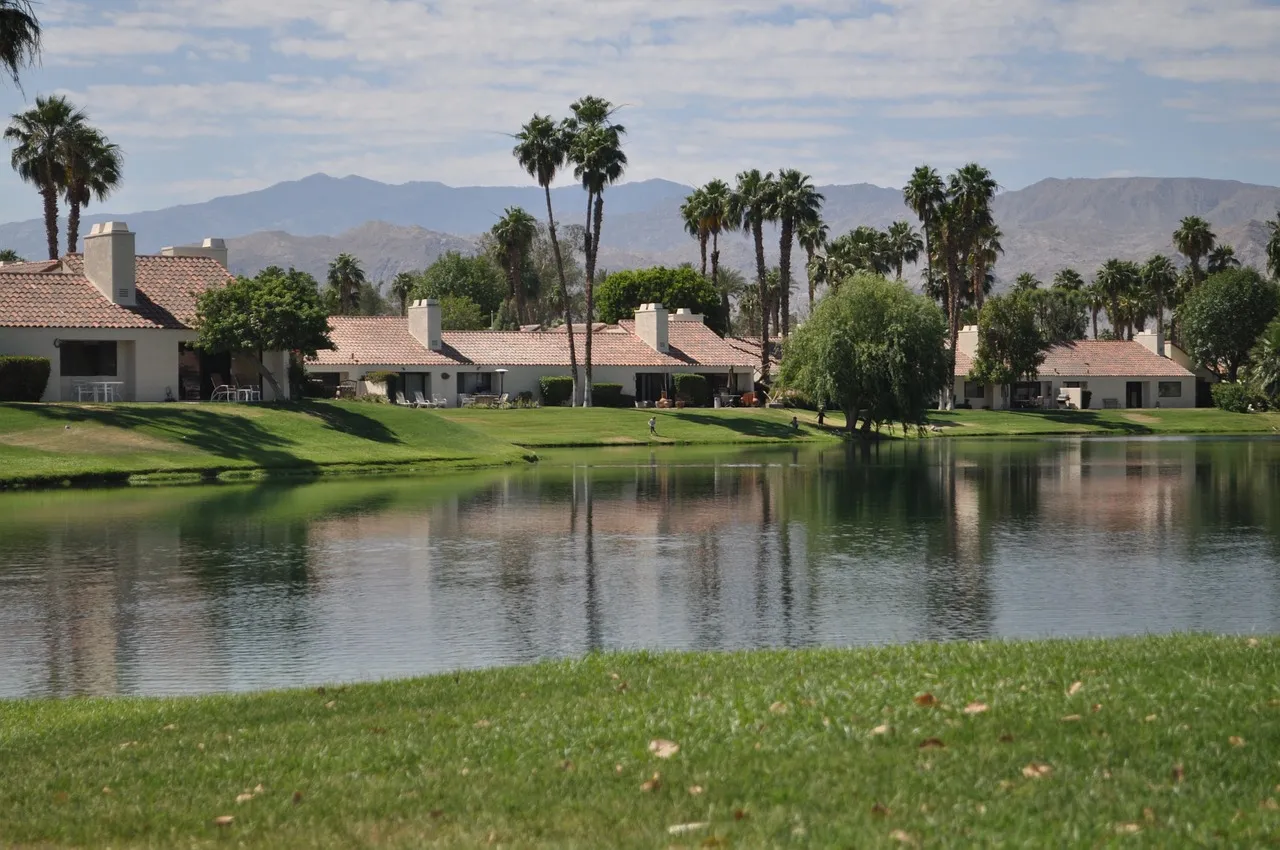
(221, 391)
(420, 401)
(402, 400)
(503, 399)
(441, 401)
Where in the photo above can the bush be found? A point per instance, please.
(607, 395)
(381, 377)
(556, 391)
(23, 378)
(1233, 398)
(692, 389)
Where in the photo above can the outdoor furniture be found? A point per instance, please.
(503, 399)
(248, 394)
(82, 390)
(441, 401)
(464, 400)
(221, 391)
(106, 390)
(420, 401)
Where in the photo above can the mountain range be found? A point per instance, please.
(392, 228)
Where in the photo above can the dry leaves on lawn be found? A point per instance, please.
(881, 810)
(695, 790)
(932, 744)
(1270, 804)
(1075, 688)
(652, 784)
(882, 729)
(223, 820)
(1236, 741)
(1179, 773)
(663, 748)
(976, 708)
(1037, 770)
(1128, 828)
(1071, 718)
(244, 798)
(482, 724)
(779, 708)
(902, 837)
(926, 700)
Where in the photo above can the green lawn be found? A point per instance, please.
(978, 423)
(600, 426)
(1156, 742)
(52, 442)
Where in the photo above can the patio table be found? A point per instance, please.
(107, 390)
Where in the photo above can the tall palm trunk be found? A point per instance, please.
(955, 280)
(702, 249)
(73, 225)
(593, 246)
(808, 271)
(564, 294)
(514, 262)
(725, 307)
(784, 275)
(1094, 310)
(50, 195)
(928, 250)
(757, 233)
(898, 263)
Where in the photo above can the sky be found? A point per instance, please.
(217, 97)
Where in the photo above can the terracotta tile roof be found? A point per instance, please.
(386, 341)
(751, 348)
(1098, 358)
(58, 295)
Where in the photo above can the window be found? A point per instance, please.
(1076, 385)
(87, 359)
(972, 389)
(1170, 389)
(475, 382)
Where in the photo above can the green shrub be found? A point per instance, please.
(381, 377)
(23, 378)
(556, 390)
(607, 395)
(692, 389)
(1233, 398)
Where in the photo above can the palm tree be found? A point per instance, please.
(402, 287)
(861, 249)
(1221, 258)
(1026, 282)
(972, 189)
(1068, 279)
(812, 236)
(796, 203)
(1096, 298)
(924, 194)
(715, 215)
(750, 206)
(693, 217)
(514, 234)
(904, 245)
(1194, 240)
(346, 279)
(595, 149)
(1273, 246)
(8, 255)
(40, 137)
(92, 171)
(1159, 277)
(731, 284)
(1118, 280)
(542, 149)
(19, 37)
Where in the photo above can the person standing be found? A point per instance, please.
(653, 426)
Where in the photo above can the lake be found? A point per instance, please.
(231, 588)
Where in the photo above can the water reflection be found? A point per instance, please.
(181, 590)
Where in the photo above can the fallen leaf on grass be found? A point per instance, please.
(1149, 718)
(330, 704)
(975, 708)
(1075, 688)
(297, 798)
(902, 837)
(436, 813)
(1251, 642)
(106, 789)
(652, 784)
(695, 790)
(932, 744)
(1236, 741)
(1128, 828)
(614, 676)
(926, 700)
(1179, 773)
(881, 810)
(1271, 804)
(566, 765)
(244, 798)
(684, 828)
(617, 768)
(1006, 738)
(1096, 707)
(258, 789)
(779, 708)
(741, 814)
(200, 747)
(1071, 718)
(482, 724)
(882, 729)
(170, 727)
(223, 820)
(1149, 814)
(622, 687)
(1037, 770)
(663, 749)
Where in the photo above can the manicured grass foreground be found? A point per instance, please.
(1163, 741)
(983, 423)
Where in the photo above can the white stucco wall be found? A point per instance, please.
(1100, 388)
(146, 361)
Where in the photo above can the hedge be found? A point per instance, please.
(23, 378)
(607, 395)
(1233, 398)
(692, 389)
(556, 391)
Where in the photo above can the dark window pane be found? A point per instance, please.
(87, 359)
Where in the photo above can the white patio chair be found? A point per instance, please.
(464, 400)
(82, 390)
(420, 401)
(503, 399)
(441, 401)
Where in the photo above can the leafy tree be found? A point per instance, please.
(542, 149)
(795, 203)
(19, 37)
(1026, 282)
(903, 245)
(8, 255)
(595, 149)
(1068, 279)
(1273, 246)
(40, 137)
(92, 170)
(460, 313)
(750, 206)
(402, 287)
(514, 234)
(454, 274)
(274, 311)
(1159, 278)
(1011, 342)
(346, 278)
(1194, 240)
(620, 293)
(1222, 318)
(1221, 258)
(1264, 363)
(812, 236)
(1060, 313)
(693, 215)
(370, 301)
(873, 349)
(924, 195)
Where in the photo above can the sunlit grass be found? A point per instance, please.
(1164, 741)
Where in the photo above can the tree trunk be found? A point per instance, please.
(899, 264)
(702, 250)
(73, 227)
(757, 233)
(808, 271)
(564, 295)
(784, 276)
(50, 195)
(266, 373)
(516, 261)
(954, 281)
(725, 306)
(593, 239)
(1095, 322)
(928, 251)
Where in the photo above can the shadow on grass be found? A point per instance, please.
(346, 419)
(747, 426)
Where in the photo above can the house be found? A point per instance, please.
(1115, 373)
(111, 314)
(641, 354)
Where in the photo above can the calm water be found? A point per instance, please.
(214, 589)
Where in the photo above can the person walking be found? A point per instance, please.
(653, 426)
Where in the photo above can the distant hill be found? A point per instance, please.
(305, 223)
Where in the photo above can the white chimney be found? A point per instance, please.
(967, 340)
(1151, 340)
(651, 326)
(424, 323)
(110, 261)
(212, 247)
(684, 314)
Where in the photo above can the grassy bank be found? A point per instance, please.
(987, 423)
(49, 443)
(1151, 742)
